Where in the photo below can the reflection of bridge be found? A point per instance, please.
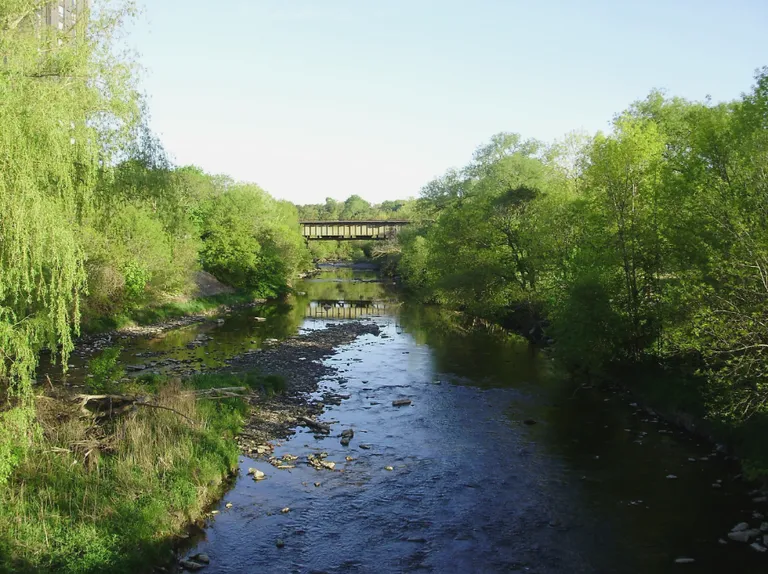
(351, 230)
(346, 309)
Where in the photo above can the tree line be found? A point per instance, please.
(95, 219)
(646, 245)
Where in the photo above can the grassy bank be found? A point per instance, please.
(153, 314)
(111, 495)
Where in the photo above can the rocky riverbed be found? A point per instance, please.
(299, 361)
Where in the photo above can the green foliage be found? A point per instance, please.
(65, 103)
(106, 371)
(645, 245)
(251, 241)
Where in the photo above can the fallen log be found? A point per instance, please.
(315, 425)
(119, 404)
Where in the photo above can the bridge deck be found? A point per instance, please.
(351, 230)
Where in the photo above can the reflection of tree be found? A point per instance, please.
(338, 290)
(485, 357)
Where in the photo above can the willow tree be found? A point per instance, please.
(66, 103)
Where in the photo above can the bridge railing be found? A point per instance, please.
(351, 229)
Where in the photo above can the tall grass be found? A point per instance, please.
(110, 497)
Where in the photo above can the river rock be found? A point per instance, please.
(286, 510)
(764, 527)
(401, 402)
(201, 558)
(346, 436)
(684, 560)
(741, 526)
(279, 543)
(257, 474)
(259, 319)
(757, 546)
(743, 535)
(135, 367)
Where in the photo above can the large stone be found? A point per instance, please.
(743, 535)
(257, 474)
(191, 565)
(201, 558)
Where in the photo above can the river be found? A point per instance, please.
(595, 485)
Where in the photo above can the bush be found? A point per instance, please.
(106, 371)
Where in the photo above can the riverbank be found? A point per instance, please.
(116, 493)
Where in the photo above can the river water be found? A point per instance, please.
(472, 487)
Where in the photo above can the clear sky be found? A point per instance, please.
(326, 98)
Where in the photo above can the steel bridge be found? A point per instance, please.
(353, 309)
(351, 230)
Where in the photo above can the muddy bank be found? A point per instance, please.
(299, 361)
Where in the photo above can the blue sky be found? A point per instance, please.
(326, 98)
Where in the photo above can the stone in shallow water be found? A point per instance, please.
(201, 558)
(257, 474)
(401, 402)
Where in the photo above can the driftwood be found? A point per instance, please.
(119, 404)
(314, 425)
(225, 392)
